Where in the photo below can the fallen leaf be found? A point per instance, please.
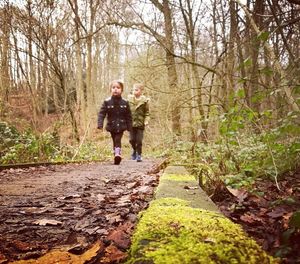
(239, 193)
(127, 227)
(124, 201)
(3, 259)
(113, 255)
(21, 246)
(119, 238)
(72, 196)
(132, 185)
(44, 222)
(63, 257)
(149, 180)
(277, 212)
(145, 189)
(250, 218)
(80, 225)
(209, 240)
(289, 191)
(262, 211)
(190, 187)
(106, 180)
(69, 197)
(113, 218)
(102, 231)
(100, 197)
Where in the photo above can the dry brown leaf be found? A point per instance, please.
(190, 187)
(250, 218)
(44, 222)
(277, 212)
(145, 189)
(239, 193)
(62, 257)
(286, 219)
(21, 246)
(132, 185)
(3, 259)
(101, 197)
(120, 239)
(113, 255)
(113, 218)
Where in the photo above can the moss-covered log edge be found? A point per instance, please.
(170, 231)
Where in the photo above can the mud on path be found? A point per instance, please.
(72, 206)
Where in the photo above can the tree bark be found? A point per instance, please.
(287, 90)
(190, 29)
(4, 71)
(171, 64)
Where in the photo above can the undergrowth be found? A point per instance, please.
(244, 152)
(23, 147)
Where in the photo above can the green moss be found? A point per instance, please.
(178, 177)
(172, 232)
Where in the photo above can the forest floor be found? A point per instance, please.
(74, 206)
(267, 214)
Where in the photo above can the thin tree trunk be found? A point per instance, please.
(190, 28)
(32, 68)
(277, 65)
(171, 67)
(4, 71)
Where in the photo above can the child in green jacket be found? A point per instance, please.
(139, 106)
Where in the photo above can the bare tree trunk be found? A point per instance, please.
(31, 68)
(171, 64)
(231, 54)
(4, 70)
(81, 102)
(287, 90)
(90, 86)
(190, 28)
(258, 12)
(80, 76)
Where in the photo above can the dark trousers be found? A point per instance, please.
(136, 139)
(116, 137)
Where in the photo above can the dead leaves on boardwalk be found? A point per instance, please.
(64, 257)
(72, 213)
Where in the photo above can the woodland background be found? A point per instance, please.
(223, 78)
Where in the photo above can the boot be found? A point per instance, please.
(118, 157)
(133, 155)
(139, 158)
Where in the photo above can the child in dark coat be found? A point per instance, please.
(118, 115)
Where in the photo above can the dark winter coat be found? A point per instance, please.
(118, 115)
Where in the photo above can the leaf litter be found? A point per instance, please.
(269, 215)
(83, 213)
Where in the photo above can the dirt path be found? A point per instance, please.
(72, 206)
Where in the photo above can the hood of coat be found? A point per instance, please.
(136, 102)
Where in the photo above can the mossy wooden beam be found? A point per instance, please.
(178, 228)
(178, 183)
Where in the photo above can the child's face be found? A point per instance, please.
(116, 89)
(137, 92)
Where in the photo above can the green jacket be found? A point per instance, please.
(139, 110)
